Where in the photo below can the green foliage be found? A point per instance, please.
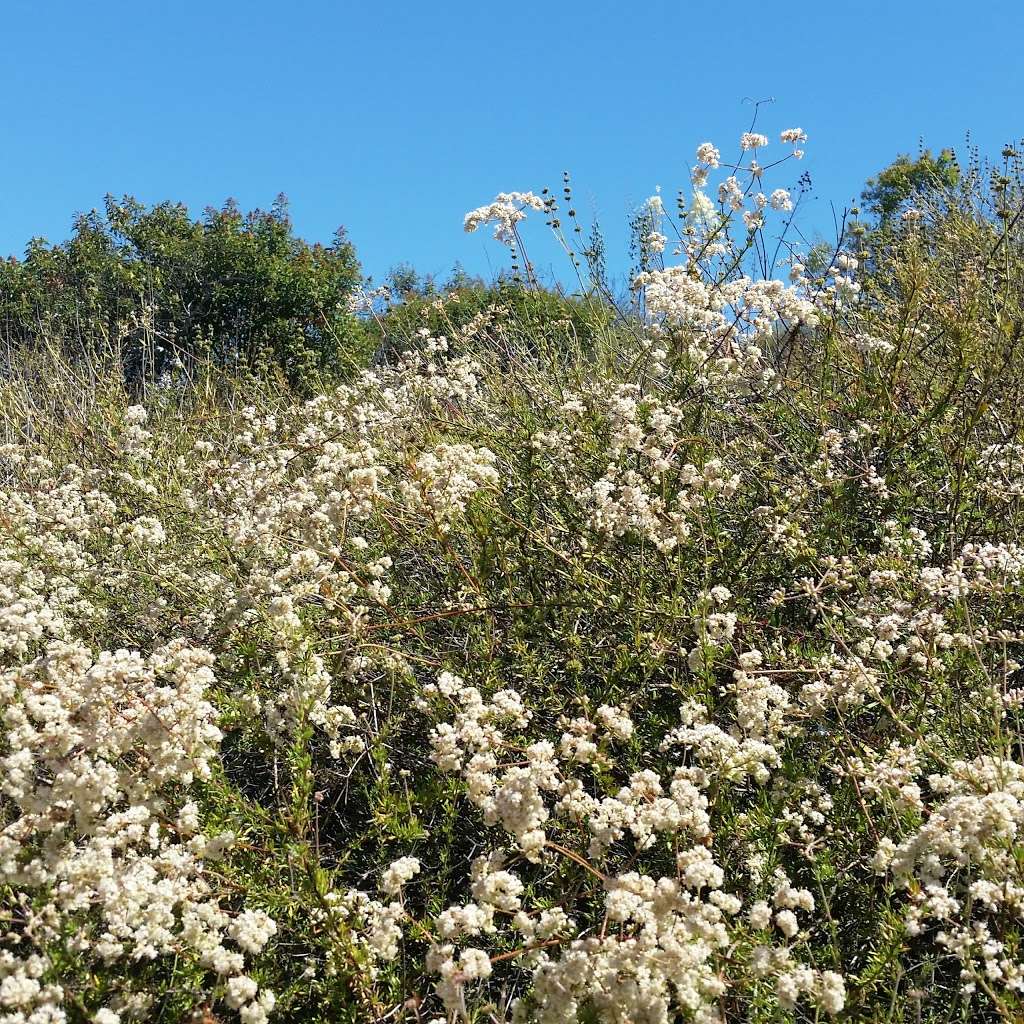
(238, 288)
(540, 317)
(893, 188)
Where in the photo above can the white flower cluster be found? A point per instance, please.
(91, 748)
(507, 210)
(1003, 469)
(726, 325)
(444, 480)
(960, 866)
(668, 931)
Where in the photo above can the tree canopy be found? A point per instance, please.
(165, 287)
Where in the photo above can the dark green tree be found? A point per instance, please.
(164, 288)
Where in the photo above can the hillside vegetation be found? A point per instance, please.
(572, 662)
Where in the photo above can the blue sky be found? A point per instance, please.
(395, 118)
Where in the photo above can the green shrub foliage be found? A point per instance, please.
(164, 288)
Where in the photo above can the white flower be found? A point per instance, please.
(240, 989)
(708, 155)
(507, 210)
(474, 964)
(252, 929)
(786, 922)
(398, 873)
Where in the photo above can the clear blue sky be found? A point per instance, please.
(395, 118)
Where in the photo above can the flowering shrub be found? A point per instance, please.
(676, 682)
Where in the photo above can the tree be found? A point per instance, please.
(904, 196)
(163, 288)
(894, 188)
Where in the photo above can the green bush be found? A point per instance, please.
(164, 289)
(539, 317)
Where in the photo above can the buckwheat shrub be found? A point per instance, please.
(671, 677)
